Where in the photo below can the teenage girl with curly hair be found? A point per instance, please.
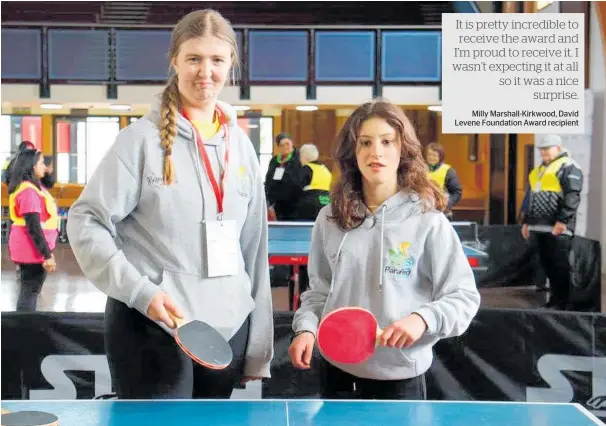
(383, 244)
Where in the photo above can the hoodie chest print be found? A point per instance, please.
(400, 262)
(243, 182)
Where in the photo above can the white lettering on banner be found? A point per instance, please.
(551, 366)
(54, 367)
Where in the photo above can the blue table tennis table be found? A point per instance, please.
(289, 244)
(307, 413)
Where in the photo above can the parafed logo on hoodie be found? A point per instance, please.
(244, 184)
(400, 263)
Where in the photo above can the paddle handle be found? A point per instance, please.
(379, 334)
(178, 321)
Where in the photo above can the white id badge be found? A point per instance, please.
(221, 248)
(279, 173)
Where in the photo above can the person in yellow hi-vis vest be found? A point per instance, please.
(444, 175)
(549, 212)
(34, 228)
(316, 180)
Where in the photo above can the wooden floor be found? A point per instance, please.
(67, 290)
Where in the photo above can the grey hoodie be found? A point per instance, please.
(133, 236)
(399, 261)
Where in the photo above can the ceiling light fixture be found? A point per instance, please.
(51, 106)
(118, 107)
(307, 108)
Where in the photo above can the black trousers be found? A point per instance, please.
(32, 277)
(146, 363)
(554, 254)
(337, 384)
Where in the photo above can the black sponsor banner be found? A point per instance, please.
(14, 342)
(511, 261)
(62, 355)
(506, 355)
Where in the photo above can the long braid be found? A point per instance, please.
(168, 126)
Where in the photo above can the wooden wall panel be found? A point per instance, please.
(47, 134)
(473, 175)
(318, 127)
(277, 130)
(523, 165)
(321, 128)
(600, 7)
(341, 119)
(426, 125)
(511, 7)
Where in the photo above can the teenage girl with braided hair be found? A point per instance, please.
(144, 229)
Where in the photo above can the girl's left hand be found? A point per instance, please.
(403, 333)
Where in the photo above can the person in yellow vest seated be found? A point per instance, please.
(34, 227)
(444, 175)
(549, 213)
(316, 180)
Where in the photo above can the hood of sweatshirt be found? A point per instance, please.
(184, 127)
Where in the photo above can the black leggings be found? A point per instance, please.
(32, 277)
(337, 384)
(146, 363)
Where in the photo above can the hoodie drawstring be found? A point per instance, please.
(383, 208)
(332, 281)
(334, 274)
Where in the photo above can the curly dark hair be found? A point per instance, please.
(347, 196)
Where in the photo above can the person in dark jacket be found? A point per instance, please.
(443, 175)
(549, 213)
(282, 181)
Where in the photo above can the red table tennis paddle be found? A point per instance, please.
(28, 418)
(203, 344)
(348, 335)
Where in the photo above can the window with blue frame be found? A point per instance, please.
(142, 55)
(15, 63)
(411, 56)
(78, 54)
(345, 56)
(278, 56)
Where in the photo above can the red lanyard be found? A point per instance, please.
(218, 188)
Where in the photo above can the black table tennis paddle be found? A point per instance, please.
(28, 418)
(203, 344)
